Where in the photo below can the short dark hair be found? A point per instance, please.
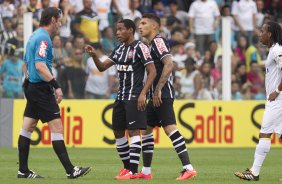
(152, 17)
(129, 24)
(48, 13)
(276, 32)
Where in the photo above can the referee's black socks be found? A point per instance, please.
(23, 148)
(61, 151)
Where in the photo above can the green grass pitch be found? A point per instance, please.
(213, 166)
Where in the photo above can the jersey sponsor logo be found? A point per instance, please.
(42, 49)
(130, 54)
(145, 50)
(161, 45)
(124, 68)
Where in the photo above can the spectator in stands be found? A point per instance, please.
(18, 41)
(179, 14)
(77, 5)
(45, 4)
(190, 80)
(12, 74)
(120, 9)
(108, 41)
(207, 82)
(260, 13)
(65, 30)
(87, 23)
(158, 8)
(99, 84)
(252, 54)
(255, 78)
(134, 12)
(216, 72)
(242, 47)
(235, 91)
(76, 76)
(240, 74)
(35, 13)
(204, 19)
(103, 9)
(244, 13)
(7, 9)
(7, 34)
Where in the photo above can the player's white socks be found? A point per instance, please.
(188, 167)
(146, 170)
(25, 133)
(262, 149)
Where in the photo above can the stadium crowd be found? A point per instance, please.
(192, 27)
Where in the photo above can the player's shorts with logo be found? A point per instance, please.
(41, 102)
(127, 116)
(161, 116)
(272, 118)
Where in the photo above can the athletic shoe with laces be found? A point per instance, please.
(247, 175)
(29, 174)
(127, 176)
(187, 174)
(145, 176)
(78, 172)
(122, 172)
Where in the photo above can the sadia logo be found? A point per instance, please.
(73, 126)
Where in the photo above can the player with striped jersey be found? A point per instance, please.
(160, 107)
(131, 58)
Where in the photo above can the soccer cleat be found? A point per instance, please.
(29, 174)
(122, 172)
(127, 176)
(247, 175)
(145, 176)
(186, 174)
(78, 172)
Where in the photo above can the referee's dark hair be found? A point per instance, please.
(128, 24)
(48, 13)
(276, 32)
(152, 17)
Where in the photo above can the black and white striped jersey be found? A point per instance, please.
(159, 48)
(130, 62)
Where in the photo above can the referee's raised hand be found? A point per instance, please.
(59, 95)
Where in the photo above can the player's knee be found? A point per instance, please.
(133, 132)
(119, 134)
(169, 129)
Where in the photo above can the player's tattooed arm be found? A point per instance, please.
(167, 69)
(102, 66)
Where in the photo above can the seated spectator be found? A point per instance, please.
(254, 77)
(242, 47)
(190, 80)
(12, 74)
(18, 41)
(76, 76)
(108, 41)
(217, 70)
(179, 14)
(235, 91)
(99, 84)
(7, 8)
(7, 34)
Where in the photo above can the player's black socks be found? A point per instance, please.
(135, 150)
(23, 148)
(180, 147)
(147, 149)
(123, 151)
(61, 151)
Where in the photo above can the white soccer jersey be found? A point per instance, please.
(273, 67)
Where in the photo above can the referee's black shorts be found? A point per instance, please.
(161, 116)
(126, 116)
(41, 102)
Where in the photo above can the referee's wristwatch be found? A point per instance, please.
(277, 90)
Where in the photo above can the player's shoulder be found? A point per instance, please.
(277, 49)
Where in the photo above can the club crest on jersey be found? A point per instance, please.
(161, 45)
(124, 68)
(42, 49)
(145, 50)
(130, 54)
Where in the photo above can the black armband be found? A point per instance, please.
(54, 83)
